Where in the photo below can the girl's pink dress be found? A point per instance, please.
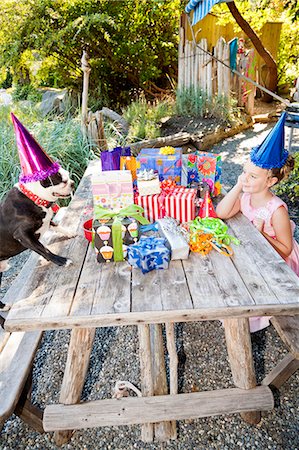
(265, 213)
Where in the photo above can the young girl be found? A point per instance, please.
(268, 165)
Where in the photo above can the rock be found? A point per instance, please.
(5, 98)
(54, 100)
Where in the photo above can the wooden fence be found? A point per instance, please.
(199, 70)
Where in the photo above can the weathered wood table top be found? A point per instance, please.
(255, 281)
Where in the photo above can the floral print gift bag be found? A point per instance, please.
(205, 167)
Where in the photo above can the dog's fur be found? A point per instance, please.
(22, 222)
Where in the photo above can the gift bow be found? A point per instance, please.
(133, 211)
(167, 150)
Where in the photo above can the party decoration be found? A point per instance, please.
(207, 208)
(36, 165)
(213, 226)
(271, 153)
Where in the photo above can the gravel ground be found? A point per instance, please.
(203, 365)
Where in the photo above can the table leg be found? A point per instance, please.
(147, 388)
(173, 368)
(238, 342)
(79, 350)
(163, 430)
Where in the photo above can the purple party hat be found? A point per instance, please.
(271, 154)
(36, 165)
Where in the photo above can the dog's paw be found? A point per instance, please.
(68, 233)
(43, 261)
(4, 307)
(69, 262)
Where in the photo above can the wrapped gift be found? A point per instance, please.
(115, 230)
(149, 253)
(167, 161)
(175, 237)
(110, 159)
(112, 189)
(180, 204)
(206, 167)
(153, 206)
(129, 163)
(148, 182)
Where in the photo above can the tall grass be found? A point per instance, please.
(61, 138)
(144, 118)
(196, 103)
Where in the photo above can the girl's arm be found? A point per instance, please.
(283, 243)
(230, 204)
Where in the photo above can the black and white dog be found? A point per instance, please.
(26, 214)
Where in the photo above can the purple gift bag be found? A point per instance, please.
(111, 158)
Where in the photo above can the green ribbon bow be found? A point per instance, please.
(134, 211)
(215, 227)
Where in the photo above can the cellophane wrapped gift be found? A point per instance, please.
(148, 182)
(148, 254)
(176, 240)
(179, 204)
(112, 189)
(205, 167)
(115, 230)
(168, 164)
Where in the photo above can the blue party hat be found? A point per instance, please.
(271, 154)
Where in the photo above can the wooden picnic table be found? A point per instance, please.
(85, 295)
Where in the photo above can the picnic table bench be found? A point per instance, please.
(17, 351)
(87, 295)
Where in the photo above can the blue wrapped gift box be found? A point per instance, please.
(149, 253)
(169, 166)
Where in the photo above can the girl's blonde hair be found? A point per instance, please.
(283, 172)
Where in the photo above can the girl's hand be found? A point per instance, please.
(240, 180)
(259, 223)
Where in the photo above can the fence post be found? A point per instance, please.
(86, 71)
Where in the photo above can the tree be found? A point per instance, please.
(263, 52)
(130, 42)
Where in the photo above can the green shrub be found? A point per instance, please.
(196, 103)
(26, 92)
(290, 187)
(144, 118)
